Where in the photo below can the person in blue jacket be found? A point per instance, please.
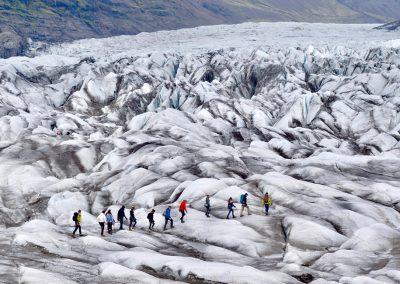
(231, 205)
(167, 216)
(110, 221)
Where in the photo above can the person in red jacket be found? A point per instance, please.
(183, 210)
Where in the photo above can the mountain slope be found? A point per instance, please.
(64, 20)
(382, 11)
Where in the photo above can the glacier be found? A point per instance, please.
(306, 112)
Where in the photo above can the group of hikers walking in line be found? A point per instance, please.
(106, 217)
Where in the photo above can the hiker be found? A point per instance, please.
(243, 201)
(121, 216)
(77, 218)
(150, 217)
(231, 205)
(207, 205)
(267, 202)
(110, 222)
(183, 210)
(102, 221)
(167, 216)
(132, 218)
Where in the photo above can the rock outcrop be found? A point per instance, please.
(11, 44)
(393, 26)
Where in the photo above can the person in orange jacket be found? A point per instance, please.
(183, 210)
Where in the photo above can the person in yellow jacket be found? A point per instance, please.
(267, 202)
(77, 218)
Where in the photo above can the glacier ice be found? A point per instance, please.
(153, 119)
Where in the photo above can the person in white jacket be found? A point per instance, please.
(102, 221)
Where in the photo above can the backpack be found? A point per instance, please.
(149, 216)
(242, 199)
(269, 201)
(109, 218)
(75, 217)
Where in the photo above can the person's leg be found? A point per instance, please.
(80, 229)
(229, 213)
(121, 224)
(134, 223)
(109, 228)
(76, 228)
(266, 209)
(172, 222)
(165, 224)
(101, 228)
(152, 224)
(248, 210)
(241, 210)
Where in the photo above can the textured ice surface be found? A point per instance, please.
(306, 112)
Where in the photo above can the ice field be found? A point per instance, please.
(306, 112)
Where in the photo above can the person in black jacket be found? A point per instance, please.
(132, 219)
(121, 216)
(207, 205)
(150, 217)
